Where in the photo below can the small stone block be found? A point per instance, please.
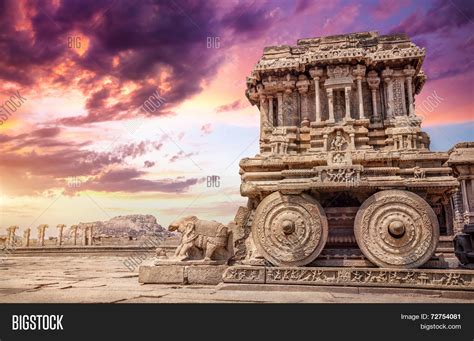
(163, 274)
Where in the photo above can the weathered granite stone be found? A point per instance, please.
(204, 274)
(181, 274)
(166, 274)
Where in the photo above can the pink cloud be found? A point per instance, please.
(233, 106)
(206, 128)
(342, 19)
(386, 8)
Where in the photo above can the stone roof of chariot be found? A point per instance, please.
(366, 47)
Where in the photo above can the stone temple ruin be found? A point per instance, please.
(345, 190)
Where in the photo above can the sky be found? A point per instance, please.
(79, 145)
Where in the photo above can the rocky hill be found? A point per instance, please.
(134, 226)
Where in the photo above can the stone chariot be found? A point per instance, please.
(343, 165)
(345, 190)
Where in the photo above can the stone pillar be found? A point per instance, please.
(359, 73)
(41, 234)
(26, 237)
(91, 234)
(263, 116)
(465, 203)
(84, 235)
(60, 234)
(409, 141)
(387, 77)
(409, 72)
(9, 237)
(404, 104)
(330, 105)
(458, 217)
(347, 96)
(74, 234)
(270, 110)
(11, 231)
(352, 137)
(374, 81)
(457, 204)
(280, 109)
(316, 73)
(303, 85)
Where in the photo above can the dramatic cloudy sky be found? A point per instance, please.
(79, 147)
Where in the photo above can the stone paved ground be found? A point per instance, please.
(104, 279)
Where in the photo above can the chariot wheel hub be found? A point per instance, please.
(396, 228)
(288, 227)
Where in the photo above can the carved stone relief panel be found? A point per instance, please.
(398, 97)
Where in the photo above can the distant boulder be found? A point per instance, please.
(134, 226)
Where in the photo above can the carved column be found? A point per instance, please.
(263, 116)
(302, 85)
(26, 237)
(409, 73)
(41, 233)
(404, 104)
(359, 73)
(316, 73)
(280, 109)
(352, 137)
(60, 234)
(11, 231)
(374, 81)
(74, 234)
(91, 234)
(270, 111)
(84, 235)
(330, 105)
(325, 142)
(347, 96)
(465, 202)
(387, 77)
(9, 237)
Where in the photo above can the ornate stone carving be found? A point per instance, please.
(396, 228)
(418, 173)
(398, 97)
(339, 142)
(289, 229)
(366, 277)
(244, 274)
(208, 238)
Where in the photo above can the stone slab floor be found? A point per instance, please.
(104, 279)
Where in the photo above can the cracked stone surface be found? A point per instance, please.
(104, 279)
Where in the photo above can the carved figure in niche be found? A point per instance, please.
(338, 158)
(338, 142)
(206, 236)
(418, 173)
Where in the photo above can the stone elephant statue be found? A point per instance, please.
(210, 237)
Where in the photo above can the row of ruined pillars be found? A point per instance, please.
(87, 235)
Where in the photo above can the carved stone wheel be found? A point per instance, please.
(289, 230)
(396, 229)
